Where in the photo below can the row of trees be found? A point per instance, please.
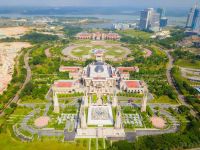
(35, 37)
(180, 54)
(182, 84)
(71, 31)
(135, 40)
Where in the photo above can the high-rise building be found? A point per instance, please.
(144, 19)
(196, 20)
(154, 22)
(190, 17)
(163, 19)
(161, 11)
(163, 22)
(193, 20)
(149, 20)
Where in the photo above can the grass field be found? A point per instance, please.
(163, 99)
(9, 143)
(188, 64)
(135, 33)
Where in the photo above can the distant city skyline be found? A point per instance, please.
(101, 3)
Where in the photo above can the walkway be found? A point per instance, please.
(142, 132)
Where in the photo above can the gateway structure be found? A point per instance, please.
(100, 83)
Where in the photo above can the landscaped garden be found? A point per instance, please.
(133, 118)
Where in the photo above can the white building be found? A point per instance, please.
(96, 81)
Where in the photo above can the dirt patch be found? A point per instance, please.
(48, 53)
(8, 52)
(14, 31)
(158, 122)
(41, 122)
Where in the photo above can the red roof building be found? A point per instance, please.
(133, 86)
(69, 69)
(66, 86)
(128, 69)
(63, 84)
(98, 36)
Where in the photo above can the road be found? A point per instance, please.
(28, 78)
(170, 79)
(172, 83)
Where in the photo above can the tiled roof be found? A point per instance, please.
(63, 84)
(70, 69)
(133, 84)
(123, 69)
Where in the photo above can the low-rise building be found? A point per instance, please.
(66, 86)
(98, 36)
(124, 71)
(132, 86)
(74, 72)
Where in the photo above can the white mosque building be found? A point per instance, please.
(99, 79)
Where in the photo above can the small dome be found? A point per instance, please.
(99, 69)
(99, 63)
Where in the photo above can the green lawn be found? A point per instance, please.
(135, 33)
(94, 98)
(163, 99)
(9, 143)
(80, 51)
(188, 64)
(113, 51)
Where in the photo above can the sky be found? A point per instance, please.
(114, 3)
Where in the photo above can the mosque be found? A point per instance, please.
(100, 83)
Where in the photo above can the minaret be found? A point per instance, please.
(56, 104)
(114, 102)
(83, 119)
(85, 99)
(118, 123)
(144, 100)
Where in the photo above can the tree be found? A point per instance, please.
(149, 111)
(8, 111)
(183, 109)
(35, 37)
(13, 105)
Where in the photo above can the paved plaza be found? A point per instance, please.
(100, 115)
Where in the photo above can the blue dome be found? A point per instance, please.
(99, 69)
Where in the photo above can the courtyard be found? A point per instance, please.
(100, 115)
(86, 51)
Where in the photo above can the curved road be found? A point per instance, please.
(172, 83)
(170, 79)
(28, 78)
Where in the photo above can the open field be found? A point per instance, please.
(8, 52)
(163, 99)
(9, 143)
(135, 33)
(194, 50)
(188, 64)
(14, 45)
(13, 31)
